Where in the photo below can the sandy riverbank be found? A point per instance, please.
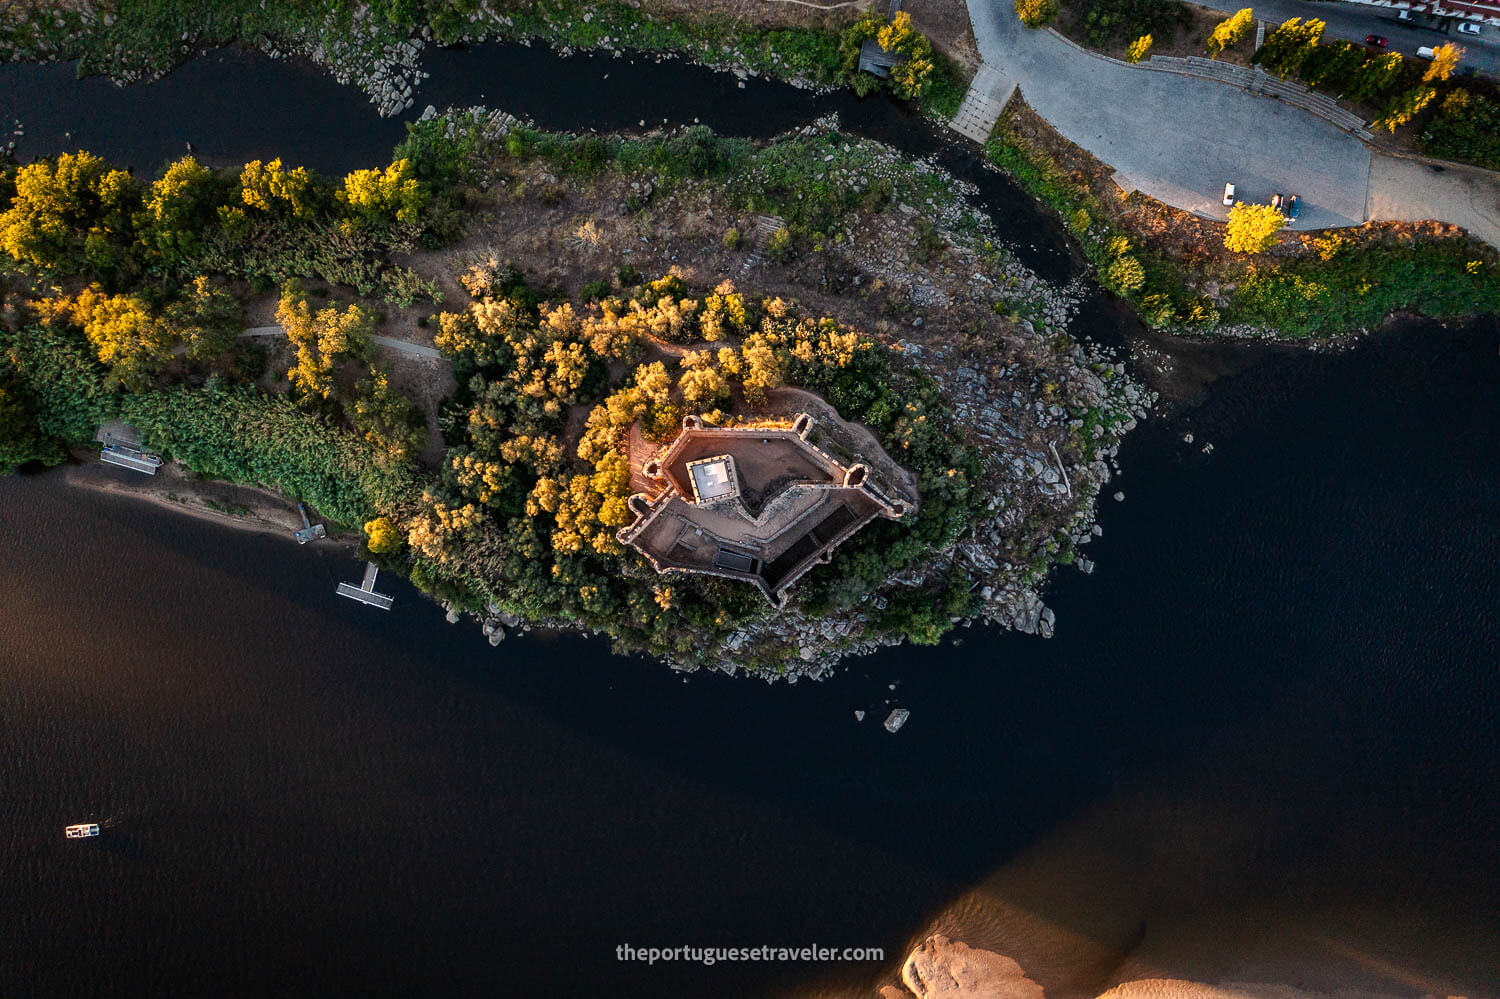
(243, 508)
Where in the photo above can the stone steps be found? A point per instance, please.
(988, 94)
(766, 226)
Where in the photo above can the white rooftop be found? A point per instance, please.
(713, 478)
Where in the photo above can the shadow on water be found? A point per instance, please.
(1282, 661)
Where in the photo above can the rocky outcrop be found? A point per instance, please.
(950, 969)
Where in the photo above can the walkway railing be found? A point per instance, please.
(1257, 81)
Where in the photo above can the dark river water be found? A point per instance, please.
(1273, 706)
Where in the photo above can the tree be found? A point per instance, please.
(911, 77)
(1445, 60)
(701, 383)
(1404, 107)
(1137, 51)
(382, 198)
(206, 318)
(1466, 127)
(1252, 228)
(1036, 13)
(1124, 274)
(1287, 46)
(1229, 31)
(179, 206)
(1332, 65)
(1374, 77)
(761, 368)
(19, 440)
(129, 340)
(272, 188)
(72, 211)
(321, 339)
(383, 416)
(382, 536)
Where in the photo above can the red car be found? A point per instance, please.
(1376, 40)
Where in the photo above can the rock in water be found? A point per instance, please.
(896, 719)
(859, 716)
(451, 617)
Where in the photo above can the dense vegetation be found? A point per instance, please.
(1108, 21)
(76, 216)
(525, 514)
(1466, 127)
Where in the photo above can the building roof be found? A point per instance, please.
(761, 504)
(713, 479)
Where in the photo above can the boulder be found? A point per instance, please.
(950, 969)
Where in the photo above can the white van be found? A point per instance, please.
(1426, 53)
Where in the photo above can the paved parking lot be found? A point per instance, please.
(1179, 138)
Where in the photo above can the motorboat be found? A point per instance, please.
(83, 830)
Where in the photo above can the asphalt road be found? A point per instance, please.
(1353, 21)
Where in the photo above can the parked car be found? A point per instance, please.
(1276, 201)
(1426, 52)
(1468, 28)
(1376, 40)
(1404, 15)
(1228, 194)
(1292, 208)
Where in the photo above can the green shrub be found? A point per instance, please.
(779, 246)
(1467, 128)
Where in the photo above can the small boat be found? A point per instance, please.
(83, 830)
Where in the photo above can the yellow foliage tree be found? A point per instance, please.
(701, 383)
(1252, 228)
(73, 209)
(271, 187)
(380, 198)
(321, 338)
(1229, 31)
(381, 536)
(178, 206)
(1445, 59)
(128, 338)
(1136, 52)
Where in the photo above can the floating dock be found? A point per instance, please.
(122, 446)
(365, 591)
(309, 531)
